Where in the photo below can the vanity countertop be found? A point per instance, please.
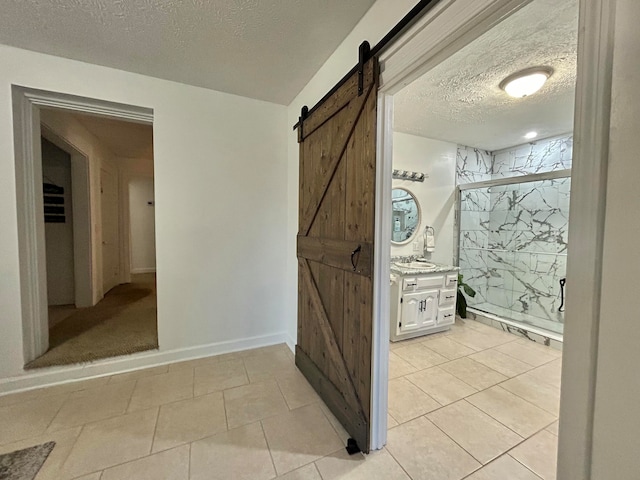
(398, 270)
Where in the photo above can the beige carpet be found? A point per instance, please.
(123, 322)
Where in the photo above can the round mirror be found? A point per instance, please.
(405, 216)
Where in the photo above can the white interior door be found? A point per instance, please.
(110, 230)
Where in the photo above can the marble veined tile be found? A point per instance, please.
(473, 165)
(473, 258)
(474, 239)
(477, 200)
(474, 221)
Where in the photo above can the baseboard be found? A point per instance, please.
(73, 373)
(291, 343)
(135, 271)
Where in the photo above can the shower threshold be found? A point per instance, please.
(521, 323)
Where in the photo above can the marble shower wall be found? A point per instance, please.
(513, 238)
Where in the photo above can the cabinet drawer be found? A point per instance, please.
(447, 316)
(409, 284)
(447, 297)
(451, 280)
(434, 281)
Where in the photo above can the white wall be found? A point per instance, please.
(617, 401)
(436, 195)
(143, 230)
(56, 169)
(131, 168)
(214, 284)
(381, 17)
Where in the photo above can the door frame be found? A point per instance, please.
(28, 170)
(110, 169)
(446, 29)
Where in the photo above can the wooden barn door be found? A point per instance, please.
(335, 248)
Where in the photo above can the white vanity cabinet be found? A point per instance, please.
(422, 304)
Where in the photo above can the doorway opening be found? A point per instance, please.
(478, 213)
(88, 228)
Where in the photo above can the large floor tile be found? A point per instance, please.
(441, 385)
(378, 464)
(297, 391)
(268, 365)
(405, 343)
(406, 401)
(93, 404)
(504, 468)
(420, 356)
(160, 389)
(448, 348)
(136, 374)
(299, 437)
(29, 418)
(530, 352)
(189, 420)
(188, 365)
(501, 363)
(111, 442)
(522, 417)
(475, 431)
(240, 454)
(308, 472)
(426, 453)
(553, 428)
(550, 373)
(391, 422)
(91, 476)
(539, 454)
(399, 367)
(541, 394)
(253, 402)
(218, 376)
(169, 465)
(473, 373)
(343, 435)
(52, 467)
(478, 340)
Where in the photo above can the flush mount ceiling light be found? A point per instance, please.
(526, 82)
(531, 135)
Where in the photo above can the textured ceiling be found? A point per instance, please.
(265, 49)
(459, 100)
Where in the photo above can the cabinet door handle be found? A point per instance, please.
(450, 296)
(448, 315)
(411, 284)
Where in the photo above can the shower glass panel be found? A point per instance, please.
(513, 249)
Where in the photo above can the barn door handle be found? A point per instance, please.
(353, 254)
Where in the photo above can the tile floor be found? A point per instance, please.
(472, 403)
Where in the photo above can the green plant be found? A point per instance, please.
(461, 305)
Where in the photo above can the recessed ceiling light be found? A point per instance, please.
(526, 82)
(531, 135)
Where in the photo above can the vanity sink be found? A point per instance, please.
(418, 265)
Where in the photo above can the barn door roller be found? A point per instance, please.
(364, 53)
